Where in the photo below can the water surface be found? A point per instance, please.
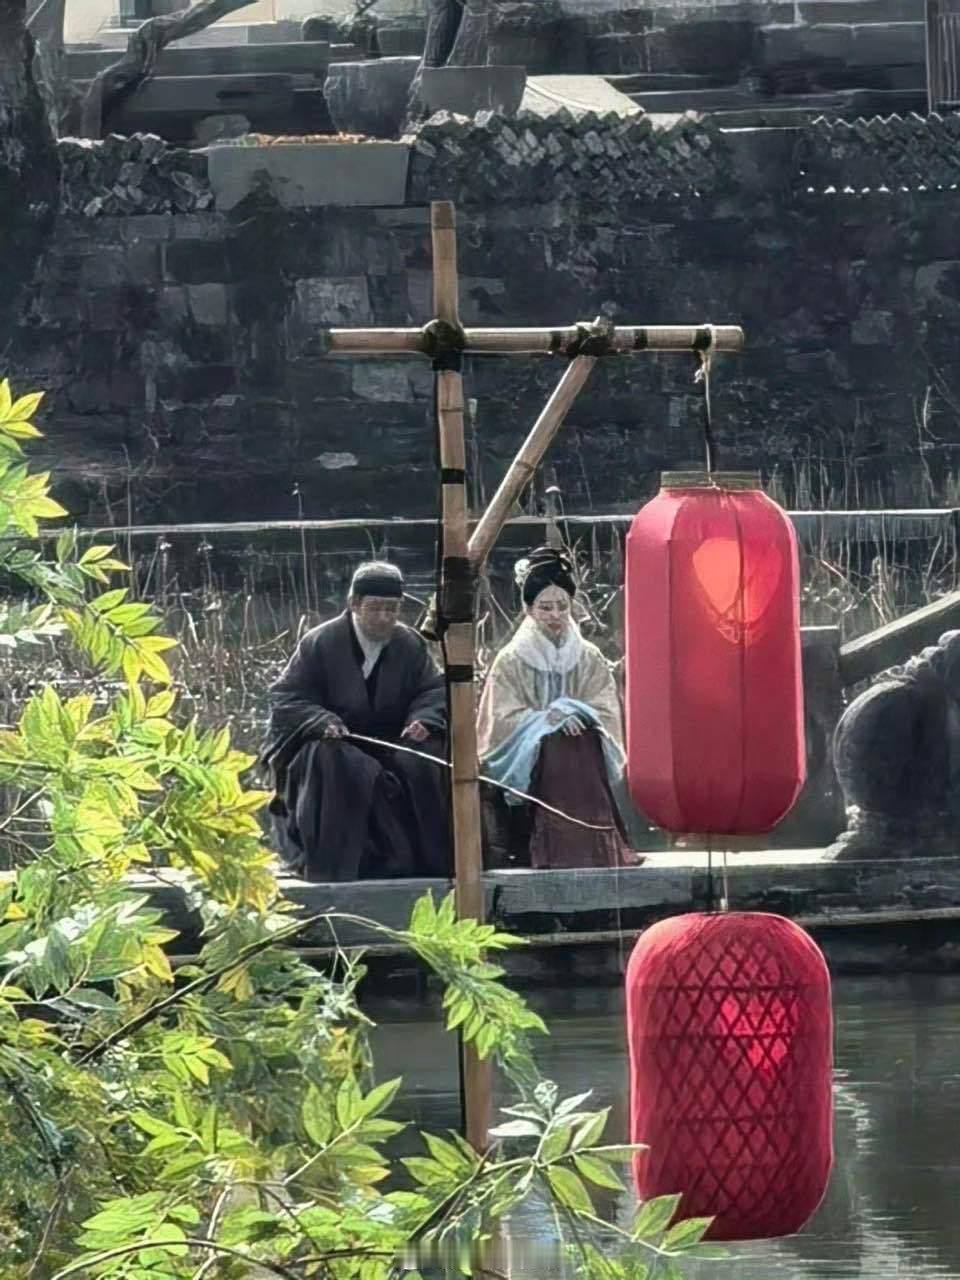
(893, 1209)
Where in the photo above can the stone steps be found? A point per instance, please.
(846, 44)
(219, 34)
(737, 107)
(888, 54)
(289, 58)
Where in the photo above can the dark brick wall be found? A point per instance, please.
(182, 352)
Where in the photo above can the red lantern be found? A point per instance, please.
(731, 1053)
(715, 724)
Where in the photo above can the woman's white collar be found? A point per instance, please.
(533, 647)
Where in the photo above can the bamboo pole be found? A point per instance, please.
(459, 645)
(623, 339)
(524, 465)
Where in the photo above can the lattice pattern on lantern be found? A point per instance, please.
(730, 1029)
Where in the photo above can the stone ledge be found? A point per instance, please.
(305, 175)
(580, 907)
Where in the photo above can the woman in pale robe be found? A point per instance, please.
(550, 725)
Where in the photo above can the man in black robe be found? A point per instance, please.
(348, 809)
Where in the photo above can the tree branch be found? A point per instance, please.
(199, 984)
(145, 45)
(193, 1242)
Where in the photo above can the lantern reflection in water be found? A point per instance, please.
(715, 726)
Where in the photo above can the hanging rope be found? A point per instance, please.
(711, 895)
(705, 347)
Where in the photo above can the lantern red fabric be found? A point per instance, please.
(714, 692)
(731, 1053)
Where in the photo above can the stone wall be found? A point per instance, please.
(181, 346)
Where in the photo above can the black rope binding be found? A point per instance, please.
(452, 600)
(594, 339)
(703, 346)
(444, 343)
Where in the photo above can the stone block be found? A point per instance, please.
(851, 11)
(938, 283)
(293, 58)
(196, 383)
(858, 48)
(197, 226)
(401, 39)
(382, 380)
(206, 95)
(147, 228)
(172, 301)
(103, 268)
(310, 175)
(208, 304)
(339, 303)
(479, 300)
(420, 294)
(546, 95)
(370, 98)
(285, 30)
(782, 45)
(535, 36)
(722, 47)
(616, 53)
(873, 328)
(143, 261)
(467, 90)
(195, 261)
(218, 128)
(888, 44)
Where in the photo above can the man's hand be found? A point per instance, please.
(416, 732)
(336, 729)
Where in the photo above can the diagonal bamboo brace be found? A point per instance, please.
(524, 466)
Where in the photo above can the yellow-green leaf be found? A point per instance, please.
(25, 407)
(154, 667)
(598, 1172)
(569, 1190)
(46, 508)
(19, 429)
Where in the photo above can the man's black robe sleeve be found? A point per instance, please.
(428, 705)
(297, 711)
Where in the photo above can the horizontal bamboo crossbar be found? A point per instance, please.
(623, 340)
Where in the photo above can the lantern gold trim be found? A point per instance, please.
(735, 481)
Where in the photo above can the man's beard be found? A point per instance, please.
(378, 634)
